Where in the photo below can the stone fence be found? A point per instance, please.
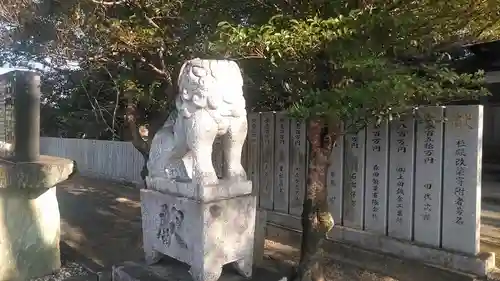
(408, 187)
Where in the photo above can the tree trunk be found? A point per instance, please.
(138, 142)
(316, 219)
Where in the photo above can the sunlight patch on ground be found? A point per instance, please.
(490, 230)
(73, 233)
(128, 202)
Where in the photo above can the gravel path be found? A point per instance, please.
(68, 270)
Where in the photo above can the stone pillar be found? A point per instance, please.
(29, 212)
(29, 217)
(27, 115)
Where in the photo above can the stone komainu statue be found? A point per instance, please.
(210, 103)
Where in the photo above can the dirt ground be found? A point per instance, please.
(490, 219)
(101, 227)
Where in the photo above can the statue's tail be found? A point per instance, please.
(180, 74)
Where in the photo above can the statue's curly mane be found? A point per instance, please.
(210, 84)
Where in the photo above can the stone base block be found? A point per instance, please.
(479, 265)
(260, 237)
(206, 235)
(29, 235)
(225, 189)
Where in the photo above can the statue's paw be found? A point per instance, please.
(208, 179)
(237, 174)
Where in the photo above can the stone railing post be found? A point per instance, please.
(30, 219)
(27, 115)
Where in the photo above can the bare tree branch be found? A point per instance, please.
(109, 3)
(117, 100)
(97, 109)
(163, 73)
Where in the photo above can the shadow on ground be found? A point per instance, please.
(101, 227)
(100, 221)
(490, 219)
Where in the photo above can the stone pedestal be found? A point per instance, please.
(29, 217)
(206, 234)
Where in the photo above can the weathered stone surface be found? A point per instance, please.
(428, 176)
(354, 178)
(29, 235)
(376, 177)
(45, 173)
(401, 177)
(462, 179)
(260, 236)
(29, 217)
(205, 235)
(225, 188)
(204, 112)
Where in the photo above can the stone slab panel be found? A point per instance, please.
(401, 153)
(462, 178)
(266, 173)
(298, 164)
(253, 146)
(354, 179)
(428, 175)
(282, 163)
(335, 179)
(377, 158)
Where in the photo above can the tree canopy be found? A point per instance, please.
(354, 61)
(128, 52)
(354, 57)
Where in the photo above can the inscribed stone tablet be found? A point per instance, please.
(428, 176)
(401, 153)
(334, 180)
(6, 113)
(282, 163)
(377, 154)
(298, 166)
(353, 192)
(462, 178)
(253, 146)
(266, 175)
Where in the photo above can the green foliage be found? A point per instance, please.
(130, 49)
(363, 62)
(338, 59)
